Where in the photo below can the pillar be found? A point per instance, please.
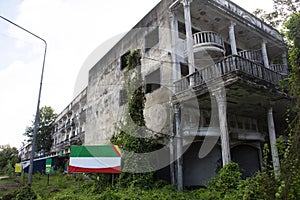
(265, 54)
(172, 146)
(285, 63)
(178, 148)
(189, 37)
(232, 38)
(222, 111)
(174, 40)
(272, 137)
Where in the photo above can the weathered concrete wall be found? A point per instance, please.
(106, 80)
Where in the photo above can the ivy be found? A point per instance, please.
(132, 134)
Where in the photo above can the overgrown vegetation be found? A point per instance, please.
(8, 159)
(226, 185)
(282, 9)
(43, 137)
(289, 187)
(286, 16)
(132, 133)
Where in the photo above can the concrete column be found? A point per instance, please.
(222, 109)
(172, 149)
(285, 63)
(178, 149)
(232, 38)
(272, 137)
(189, 37)
(174, 40)
(265, 54)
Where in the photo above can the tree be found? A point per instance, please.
(282, 9)
(8, 159)
(286, 15)
(290, 178)
(43, 138)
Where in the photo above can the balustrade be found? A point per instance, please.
(208, 38)
(230, 64)
(255, 56)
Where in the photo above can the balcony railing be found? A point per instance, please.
(228, 65)
(208, 38)
(281, 68)
(254, 56)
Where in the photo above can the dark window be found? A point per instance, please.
(206, 118)
(184, 68)
(153, 81)
(124, 60)
(123, 98)
(151, 39)
(227, 49)
(182, 31)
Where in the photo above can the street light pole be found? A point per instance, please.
(36, 121)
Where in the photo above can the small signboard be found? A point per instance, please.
(48, 165)
(18, 167)
(95, 159)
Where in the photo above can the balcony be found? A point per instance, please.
(280, 68)
(208, 42)
(62, 127)
(77, 139)
(254, 56)
(233, 65)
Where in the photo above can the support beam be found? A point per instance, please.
(232, 38)
(285, 63)
(172, 146)
(189, 37)
(272, 137)
(174, 39)
(178, 148)
(222, 109)
(265, 54)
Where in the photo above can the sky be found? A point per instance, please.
(75, 30)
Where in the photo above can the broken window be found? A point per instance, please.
(184, 68)
(152, 81)
(151, 39)
(124, 58)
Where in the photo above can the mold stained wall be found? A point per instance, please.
(106, 79)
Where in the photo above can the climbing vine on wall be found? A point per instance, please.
(132, 134)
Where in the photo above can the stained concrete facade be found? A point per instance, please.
(69, 126)
(106, 79)
(211, 71)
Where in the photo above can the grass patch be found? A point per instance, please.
(58, 183)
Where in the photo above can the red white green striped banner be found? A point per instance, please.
(95, 159)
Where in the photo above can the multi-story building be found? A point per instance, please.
(69, 126)
(211, 71)
(24, 151)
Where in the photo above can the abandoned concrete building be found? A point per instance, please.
(69, 127)
(211, 71)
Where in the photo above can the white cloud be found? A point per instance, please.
(18, 100)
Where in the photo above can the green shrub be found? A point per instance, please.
(25, 193)
(227, 180)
